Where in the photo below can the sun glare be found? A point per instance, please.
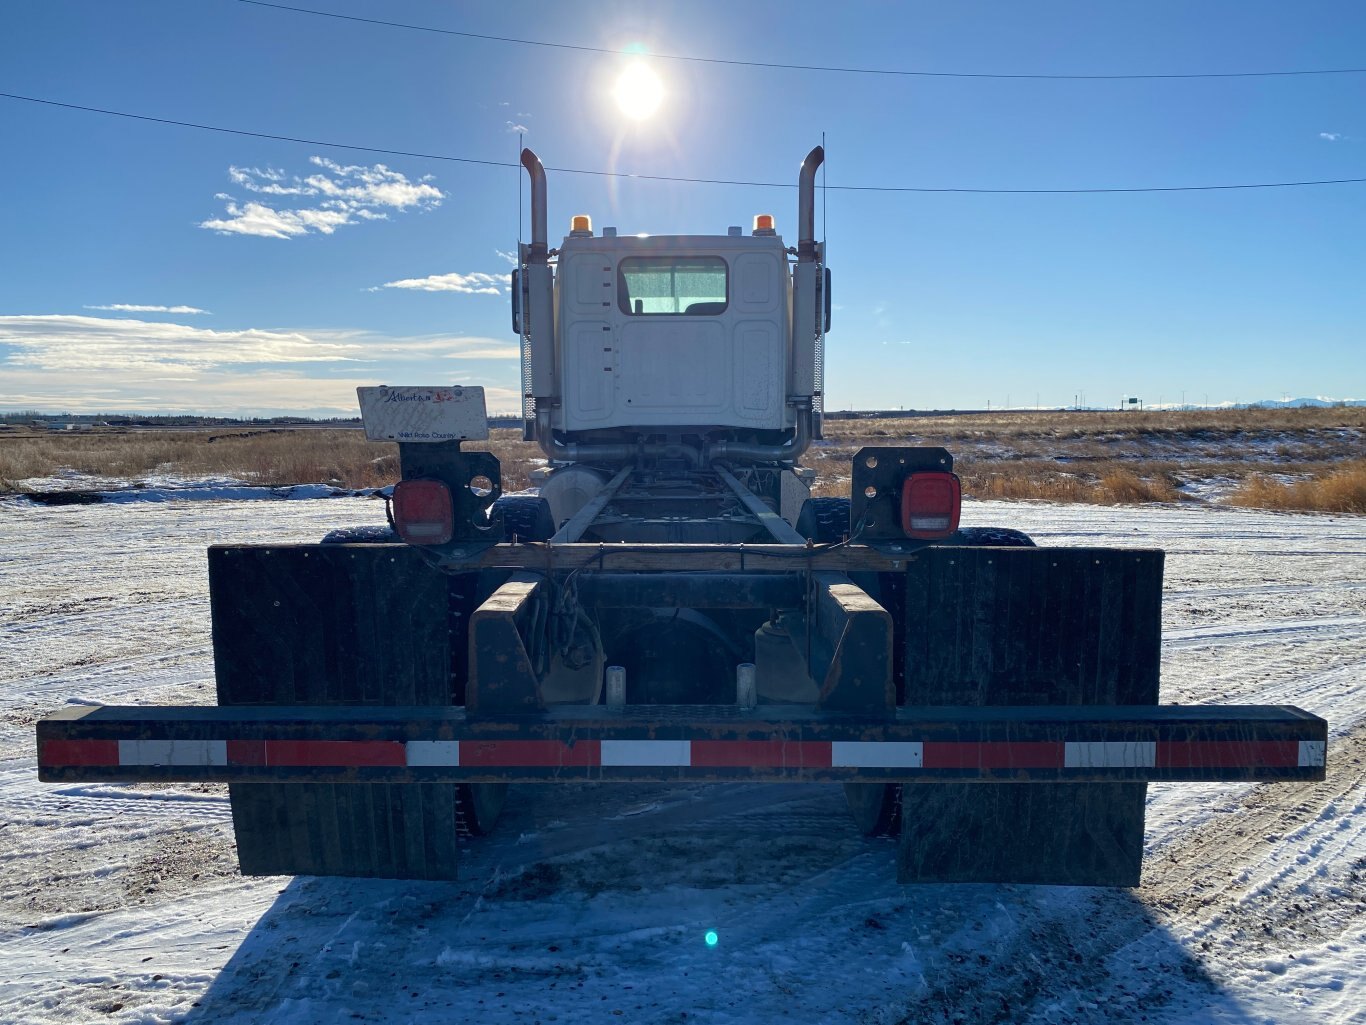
(638, 91)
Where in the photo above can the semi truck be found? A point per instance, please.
(672, 604)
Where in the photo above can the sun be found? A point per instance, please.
(638, 91)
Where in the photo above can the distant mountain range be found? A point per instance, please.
(1312, 402)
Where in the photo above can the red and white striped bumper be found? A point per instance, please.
(330, 744)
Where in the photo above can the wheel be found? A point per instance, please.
(991, 537)
(824, 520)
(477, 807)
(526, 516)
(876, 807)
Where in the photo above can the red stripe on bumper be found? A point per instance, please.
(530, 753)
(335, 752)
(246, 752)
(56, 753)
(994, 755)
(796, 754)
(1221, 754)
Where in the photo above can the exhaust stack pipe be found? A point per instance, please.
(806, 204)
(536, 172)
(539, 385)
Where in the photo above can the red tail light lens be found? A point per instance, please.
(423, 512)
(930, 505)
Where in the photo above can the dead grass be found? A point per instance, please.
(1078, 425)
(1110, 458)
(270, 457)
(1113, 485)
(1102, 458)
(1342, 490)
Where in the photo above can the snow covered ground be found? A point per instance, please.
(122, 904)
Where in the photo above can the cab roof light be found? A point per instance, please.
(581, 225)
(423, 511)
(930, 505)
(764, 224)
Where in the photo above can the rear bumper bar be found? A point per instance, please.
(1084, 744)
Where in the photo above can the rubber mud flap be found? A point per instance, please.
(1029, 626)
(338, 624)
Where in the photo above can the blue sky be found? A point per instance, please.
(316, 269)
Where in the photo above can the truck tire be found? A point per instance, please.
(991, 537)
(477, 807)
(525, 516)
(824, 520)
(876, 807)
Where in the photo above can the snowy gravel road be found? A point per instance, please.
(122, 904)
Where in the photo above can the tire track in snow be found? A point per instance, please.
(1285, 857)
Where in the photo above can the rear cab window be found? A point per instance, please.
(672, 286)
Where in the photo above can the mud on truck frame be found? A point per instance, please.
(673, 605)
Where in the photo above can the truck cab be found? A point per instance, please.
(697, 348)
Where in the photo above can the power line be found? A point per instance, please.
(831, 69)
(660, 177)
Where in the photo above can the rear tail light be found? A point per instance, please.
(423, 512)
(930, 504)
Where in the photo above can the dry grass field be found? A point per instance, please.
(1309, 459)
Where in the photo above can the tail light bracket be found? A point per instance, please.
(878, 475)
(475, 481)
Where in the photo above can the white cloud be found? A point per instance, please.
(69, 342)
(511, 258)
(336, 195)
(65, 342)
(1330, 136)
(470, 284)
(135, 308)
(266, 222)
(516, 128)
(391, 349)
(214, 393)
(92, 364)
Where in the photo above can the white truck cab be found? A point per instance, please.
(683, 331)
(708, 345)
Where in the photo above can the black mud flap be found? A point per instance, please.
(1022, 626)
(340, 625)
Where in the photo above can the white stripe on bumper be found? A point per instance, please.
(433, 752)
(1313, 752)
